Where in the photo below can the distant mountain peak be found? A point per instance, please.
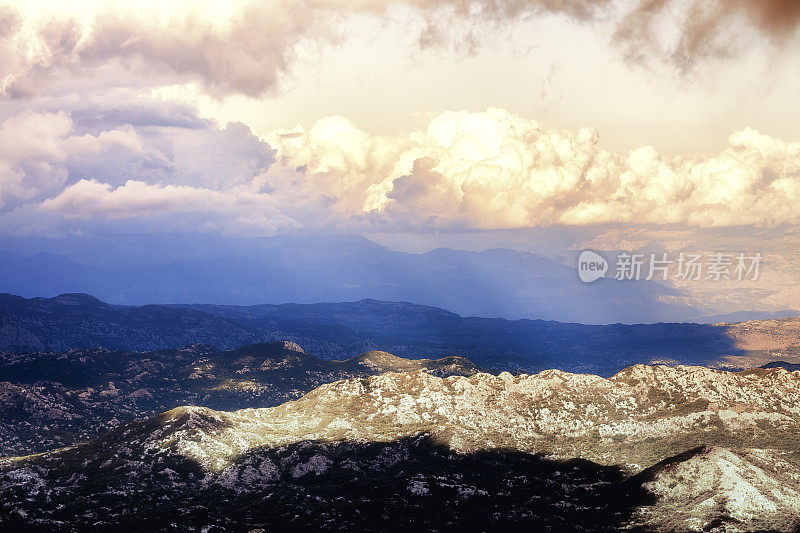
(269, 348)
(380, 361)
(290, 346)
(78, 299)
(378, 357)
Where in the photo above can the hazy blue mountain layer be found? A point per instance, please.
(304, 269)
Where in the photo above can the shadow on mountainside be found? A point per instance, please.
(410, 484)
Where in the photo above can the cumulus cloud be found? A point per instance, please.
(36, 150)
(41, 152)
(94, 162)
(498, 170)
(464, 170)
(118, 153)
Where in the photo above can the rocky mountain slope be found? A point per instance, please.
(637, 417)
(723, 446)
(711, 487)
(49, 400)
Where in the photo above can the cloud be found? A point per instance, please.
(248, 47)
(245, 53)
(64, 168)
(423, 196)
(244, 50)
(90, 198)
(36, 150)
(164, 208)
(705, 28)
(127, 138)
(486, 170)
(498, 170)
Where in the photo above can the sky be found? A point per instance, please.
(397, 118)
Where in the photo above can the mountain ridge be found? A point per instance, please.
(526, 412)
(310, 269)
(55, 399)
(675, 448)
(343, 330)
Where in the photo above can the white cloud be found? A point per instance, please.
(498, 170)
(41, 152)
(239, 206)
(485, 170)
(171, 170)
(90, 198)
(37, 148)
(93, 144)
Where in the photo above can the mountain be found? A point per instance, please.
(783, 364)
(82, 321)
(653, 447)
(766, 335)
(722, 490)
(343, 330)
(411, 484)
(635, 417)
(307, 269)
(748, 316)
(504, 344)
(764, 341)
(48, 400)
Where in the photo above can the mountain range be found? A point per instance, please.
(305, 269)
(49, 400)
(297, 417)
(652, 448)
(344, 330)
